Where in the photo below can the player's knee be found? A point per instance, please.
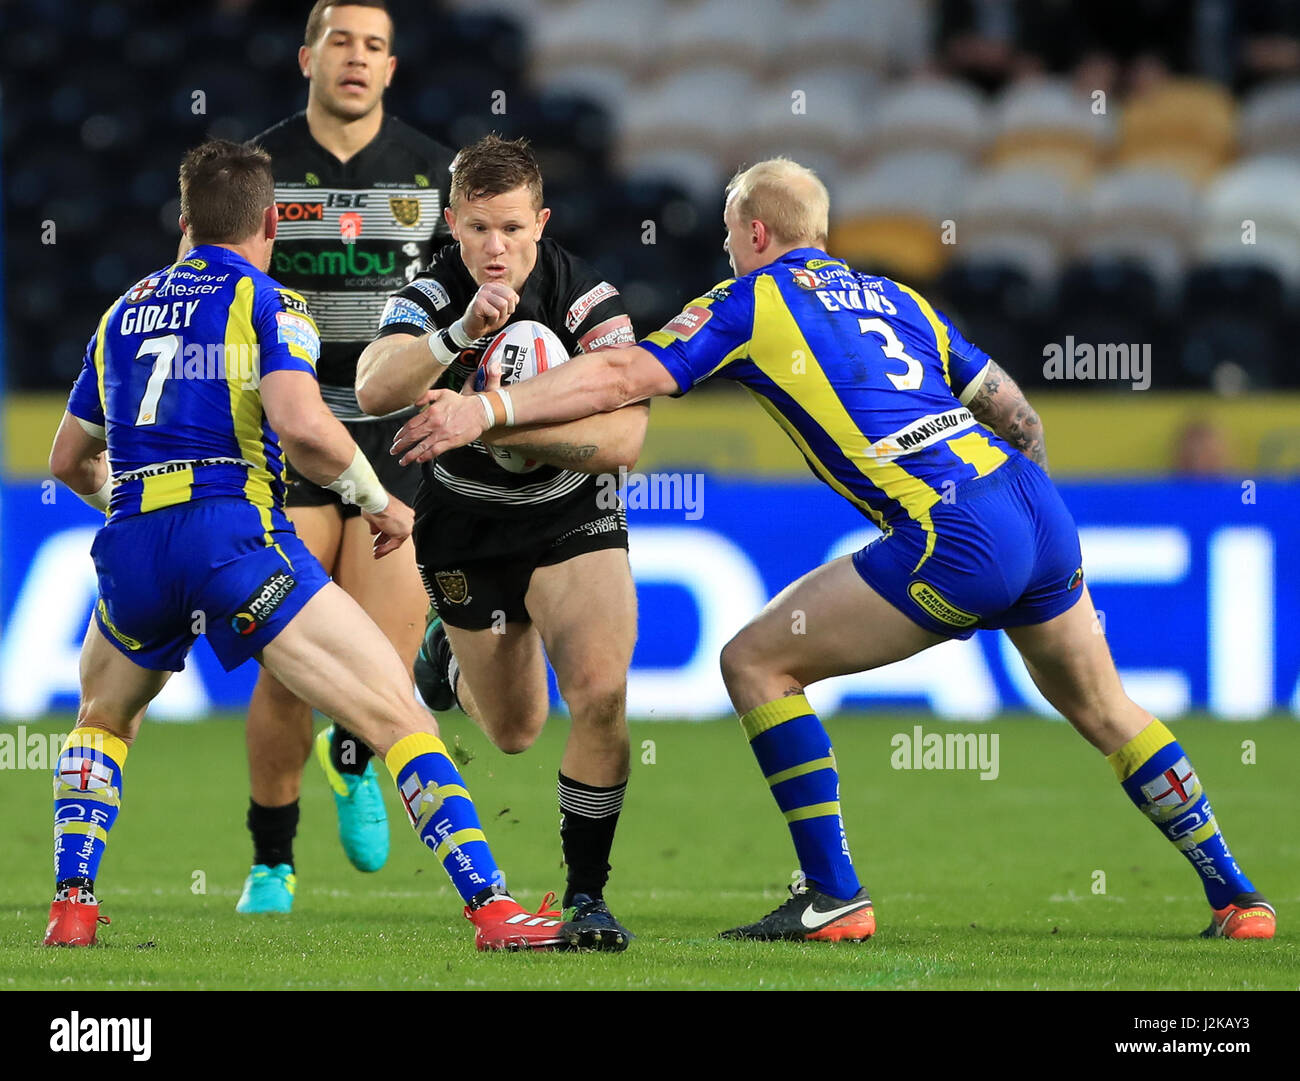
(517, 738)
(739, 659)
(596, 698)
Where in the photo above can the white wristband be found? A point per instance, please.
(358, 484)
(487, 409)
(509, 406)
(441, 348)
(99, 500)
(456, 332)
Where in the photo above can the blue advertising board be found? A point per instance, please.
(1197, 583)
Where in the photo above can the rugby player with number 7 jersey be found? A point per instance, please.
(189, 384)
(514, 560)
(930, 439)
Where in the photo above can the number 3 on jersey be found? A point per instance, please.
(163, 349)
(893, 349)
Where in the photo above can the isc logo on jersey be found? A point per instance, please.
(520, 351)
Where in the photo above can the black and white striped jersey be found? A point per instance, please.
(352, 232)
(563, 293)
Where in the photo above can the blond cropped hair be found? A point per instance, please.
(786, 197)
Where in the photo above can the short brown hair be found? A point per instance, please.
(225, 188)
(494, 166)
(316, 20)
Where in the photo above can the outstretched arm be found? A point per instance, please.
(1001, 405)
(599, 444)
(595, 383)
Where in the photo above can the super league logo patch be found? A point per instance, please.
(255, 611)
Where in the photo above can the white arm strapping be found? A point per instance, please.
(358, 484)
(99, 500)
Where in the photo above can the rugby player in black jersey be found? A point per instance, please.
(360, 196)
(514, 561)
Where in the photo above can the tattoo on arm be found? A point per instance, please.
(1001, 405)
(562, 454)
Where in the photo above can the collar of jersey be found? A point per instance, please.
(215, 253)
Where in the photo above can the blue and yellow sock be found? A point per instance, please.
(795, 756)
(442, 812)
(1159, 779)
(87, 798)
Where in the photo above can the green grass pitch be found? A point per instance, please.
(979, 884)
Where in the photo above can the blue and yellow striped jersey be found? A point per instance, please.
(868, 380)
(170, 381)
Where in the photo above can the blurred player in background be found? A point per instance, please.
(512, 561)
(173, 427)
(360, 196)
(929, 438)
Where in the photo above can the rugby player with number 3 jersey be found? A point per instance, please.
(930, 439)
(173, 427)
(515, 560)
(360, 196)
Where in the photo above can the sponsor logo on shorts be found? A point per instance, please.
(584, 304)
(609, 523)
(125, 639)
(406, 210)
(1076, 579)
(937, 606)
(453, 585)
(686, 323)
(255, 611)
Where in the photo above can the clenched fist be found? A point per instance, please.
(491, 308)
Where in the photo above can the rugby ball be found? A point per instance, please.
(522, 350)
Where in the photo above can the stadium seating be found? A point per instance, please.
(1024, 207)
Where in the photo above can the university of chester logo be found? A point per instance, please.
(406, 210)
(454, 585)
